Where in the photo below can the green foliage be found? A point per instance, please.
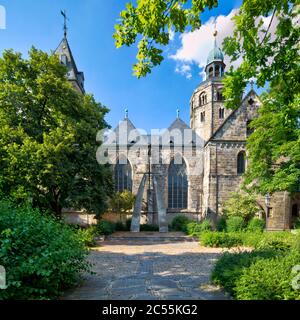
(47, 137)
(122, 202)
(269, 279)
(231, 266)
(241, 205)
(235, 223)
(106, 227)
(151, 21)
(221, 224)
(194, 228)
(179, 223)
(297, 224)
(256, 225)
(128, 224)
(149, 227)
(220, 239)
(88, 236)
(120, 226)
(41, 255)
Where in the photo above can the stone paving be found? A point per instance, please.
(133, 270)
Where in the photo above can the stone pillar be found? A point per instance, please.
(162, 211)
(136, 217)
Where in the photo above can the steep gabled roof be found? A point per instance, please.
(73, 74)
(231, 116)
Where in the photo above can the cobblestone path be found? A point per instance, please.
(145, 271)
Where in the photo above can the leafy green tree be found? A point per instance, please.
(122, 202)
(241, 205)
(47, 137)
(270, 55)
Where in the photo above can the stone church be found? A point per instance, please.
(196, 165)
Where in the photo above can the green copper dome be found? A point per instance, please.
(215, 55)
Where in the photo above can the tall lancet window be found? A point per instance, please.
(241, 162)
(123, 175)
(177, 185)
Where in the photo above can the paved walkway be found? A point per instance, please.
(146, 270)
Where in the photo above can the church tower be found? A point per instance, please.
(66, 58)
(207, 110)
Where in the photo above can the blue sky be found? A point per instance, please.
(152, 101)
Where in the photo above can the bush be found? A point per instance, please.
(41, 255)
(180, 223)
(256, 225)
(120, 226)
(231, 266)
(241, 205)
(234, 224)
(269, 279)
(297, 224)
(106, 227)
(88, 236)
(194, 228)
(281, 241)
(128, 224)
(149, 227)
(221, 224)
(220, 239)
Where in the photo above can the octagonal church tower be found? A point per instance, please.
(207, 110)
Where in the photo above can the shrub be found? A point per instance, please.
(120, 226)
(297, 224)
(106, 227)
(234, 224)
(41, 255)
(128, 224)
(241, 205)
(269, 279)
(256, 225)
(231, 265)
(221, 224)
(88, 236)
(220, 239)
(205, 225)
(194, 228)
(281, 241)
(179, 223)
(149, 227)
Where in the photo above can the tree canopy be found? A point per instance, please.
(48, 136)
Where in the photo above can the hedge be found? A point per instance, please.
(41, 255)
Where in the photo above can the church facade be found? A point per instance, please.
(197, 165)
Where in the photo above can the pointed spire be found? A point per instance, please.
(215, 34)
(64, 14)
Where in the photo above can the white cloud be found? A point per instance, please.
(196, 45)
(185, 70)
(171, 35)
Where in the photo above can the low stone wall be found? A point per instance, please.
(79, 218)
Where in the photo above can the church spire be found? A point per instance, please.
(64, 14)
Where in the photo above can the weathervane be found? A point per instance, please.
(64, 14)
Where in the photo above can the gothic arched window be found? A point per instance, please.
(241, 162)
(123, 176)
(177, 186)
